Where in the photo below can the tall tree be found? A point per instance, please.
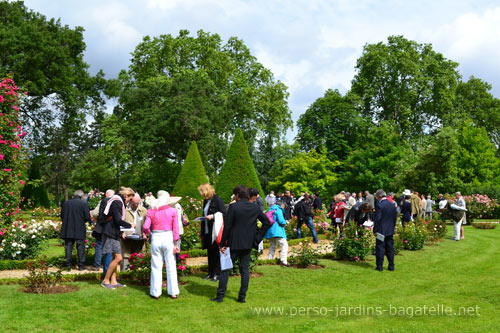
(46, 58)
(332, 122)
(379, 162)
(199, 89)
(407, 83)
(308, 172)
(475, 102)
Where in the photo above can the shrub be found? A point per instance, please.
(182, 268)
(355, 243)
(479, 206)
(237, 170)
(23, 240)
(304, 256)
(413, 236)
(190, 239)
(484, 225)
(192, 207)
(436, 229)
(40, 280)
(140, 266)
(191, 176)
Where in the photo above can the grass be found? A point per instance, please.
(455, 274)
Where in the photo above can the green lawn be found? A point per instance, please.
(451, 274)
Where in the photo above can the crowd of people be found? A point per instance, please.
(123, 222)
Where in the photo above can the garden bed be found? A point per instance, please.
(59, 289)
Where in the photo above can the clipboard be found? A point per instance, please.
(380, 237)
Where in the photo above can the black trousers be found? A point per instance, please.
(80, 248)
(213, 259)
(386, 246)
(244, 256)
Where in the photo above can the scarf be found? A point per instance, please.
(110, 201)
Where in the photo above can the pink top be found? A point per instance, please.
(162, 218)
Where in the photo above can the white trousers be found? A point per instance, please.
(284, 248)
(162, 250)
(457, 226)
(261, 246)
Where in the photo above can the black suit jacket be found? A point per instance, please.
(240, 226)
(216, 205)
(385, 218)
(74, 213)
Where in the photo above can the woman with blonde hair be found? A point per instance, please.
(212, 204)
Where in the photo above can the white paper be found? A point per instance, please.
(225, 260)
(380, 237)
(200, 218)
(127, 229)
(368, 224)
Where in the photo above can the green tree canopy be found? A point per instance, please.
(332, 122)
(192, 174)
(237, 170)
(46, 58)
(198, 89)
(378, 162)
(308, 172)
(407, 83)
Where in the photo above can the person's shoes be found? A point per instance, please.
(215, 278)
(154, 297)
(66, 269)
(379, 269)
(82, 268)
(261, 252)
(391, 269)
(119, 285)
(173, 296)
(241, 300)
(108, 286)
(207, 277)
(285, 264)
(94, 268)
(218, 300)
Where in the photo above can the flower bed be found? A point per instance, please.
(354, 243)
(22, 240)
(485, 225)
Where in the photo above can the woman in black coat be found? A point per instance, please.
(212, 204)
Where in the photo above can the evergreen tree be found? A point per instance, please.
(237, 170)
(192, 174)
(35, 192)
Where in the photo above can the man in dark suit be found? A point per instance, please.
(384, 225)
(241, 235)
(74, 213)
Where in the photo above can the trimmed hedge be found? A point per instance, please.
(192, 175)
(237, 170)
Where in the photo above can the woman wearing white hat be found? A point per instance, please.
(162, 222)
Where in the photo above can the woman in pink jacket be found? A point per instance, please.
(162, 222)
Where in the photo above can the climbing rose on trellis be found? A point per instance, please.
(11, 134)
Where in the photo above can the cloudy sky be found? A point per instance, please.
(310, 45)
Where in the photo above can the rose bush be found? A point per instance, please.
(11, 163)
(354, 243)
(22, 240)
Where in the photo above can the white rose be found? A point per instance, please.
(33, 236)
(23, 246)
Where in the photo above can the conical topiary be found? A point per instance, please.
(192, 174)
(237, 170)
(35, 192)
